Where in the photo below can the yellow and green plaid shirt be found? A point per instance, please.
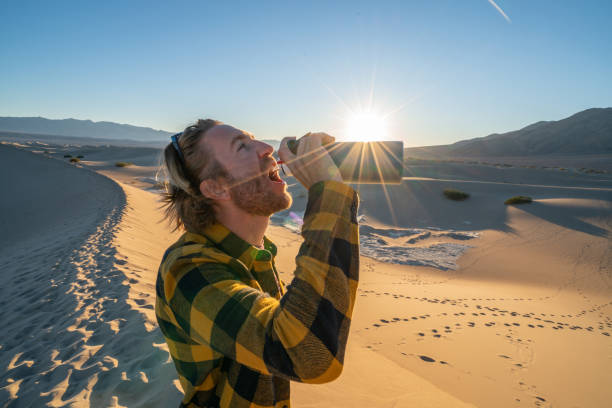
(236, 335)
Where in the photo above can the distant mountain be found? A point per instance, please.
(586, 132)
(20, 137)
(65, 130)
(82, 128)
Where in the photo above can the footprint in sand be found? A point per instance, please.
(428, 359)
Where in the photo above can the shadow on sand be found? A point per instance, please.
(68, 330)
(570, 217)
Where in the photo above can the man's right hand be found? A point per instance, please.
(312, 163)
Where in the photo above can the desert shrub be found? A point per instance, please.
(123, 164)
(67, 155)
(456, 195)
(518, 200)
(75, 160)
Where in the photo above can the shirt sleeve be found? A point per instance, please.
(302, 336)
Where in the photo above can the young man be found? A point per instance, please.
(236, 334)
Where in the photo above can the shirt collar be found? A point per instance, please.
(236, 247)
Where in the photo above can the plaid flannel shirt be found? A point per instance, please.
(236, 335)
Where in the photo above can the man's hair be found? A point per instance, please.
(185, 206)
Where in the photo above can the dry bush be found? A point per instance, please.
(455, 195)
(518, 200)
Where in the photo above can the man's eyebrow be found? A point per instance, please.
(239, 136)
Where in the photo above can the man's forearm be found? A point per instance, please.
(321, 296)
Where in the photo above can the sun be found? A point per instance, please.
(365, 127)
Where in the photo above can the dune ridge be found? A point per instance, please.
(72, 334)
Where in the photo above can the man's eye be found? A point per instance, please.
(241, 146)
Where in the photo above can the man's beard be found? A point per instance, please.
(254, 197)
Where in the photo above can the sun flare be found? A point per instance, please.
(366, 127)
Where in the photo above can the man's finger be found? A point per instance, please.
(327, 139)
(324, 138)
(283, 151)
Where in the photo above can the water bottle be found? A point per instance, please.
(365, 162)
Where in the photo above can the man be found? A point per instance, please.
(236, 334)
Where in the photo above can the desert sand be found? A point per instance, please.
(469, 303)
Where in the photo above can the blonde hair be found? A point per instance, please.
(185, 206)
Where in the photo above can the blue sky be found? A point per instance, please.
(448, 70)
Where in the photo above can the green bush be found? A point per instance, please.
(80, 156)
(123, 164)
(518, 200)
(75, 160)
(456, 195)
(67, 155)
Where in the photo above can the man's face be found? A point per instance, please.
(255, 185)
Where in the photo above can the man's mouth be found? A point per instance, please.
(273, 175)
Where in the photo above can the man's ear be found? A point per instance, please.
(214, 190)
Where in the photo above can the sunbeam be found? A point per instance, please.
(384, 187)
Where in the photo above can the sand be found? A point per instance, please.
(77, 294)
(468, 303)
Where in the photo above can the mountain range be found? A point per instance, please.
(82, 128)
(75, 131)
(586, 132)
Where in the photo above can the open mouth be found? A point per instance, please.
(273, 175)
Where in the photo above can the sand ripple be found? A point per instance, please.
(70, 337)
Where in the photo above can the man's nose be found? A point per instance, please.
(264, 149)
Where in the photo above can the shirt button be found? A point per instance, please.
(263, 255)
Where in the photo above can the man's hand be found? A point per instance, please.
(312, 163)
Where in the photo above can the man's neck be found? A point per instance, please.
(250, 228)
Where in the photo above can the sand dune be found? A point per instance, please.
(521, 316)
(525, 320)
(76, 301)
